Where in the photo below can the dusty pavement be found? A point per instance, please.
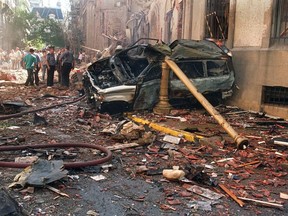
(134, 184)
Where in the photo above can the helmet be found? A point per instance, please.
(119, 47)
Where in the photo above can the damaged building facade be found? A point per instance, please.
(255, 31)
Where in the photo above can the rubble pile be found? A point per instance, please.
(151, 172)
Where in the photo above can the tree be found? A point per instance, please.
(48, 31)
(26, 29)
(18, 27)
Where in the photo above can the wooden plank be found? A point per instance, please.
(122, 146)
(55, 190)
(231, 194)
(264, 203)
(247, 164)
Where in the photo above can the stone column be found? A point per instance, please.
(187, 24)
(198, 19)
(231, 24)
(163, 107)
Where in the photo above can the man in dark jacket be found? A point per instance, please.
(67, 60)
(37, 68)
(51, 60)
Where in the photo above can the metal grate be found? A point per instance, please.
(217, 14)
(275, 95)
(279, 33)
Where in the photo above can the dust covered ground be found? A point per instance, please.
(134, 184)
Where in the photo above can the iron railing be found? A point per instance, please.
(279, 33)
(217, 14)
(275, 95)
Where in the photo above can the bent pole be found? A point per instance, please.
(241, 141)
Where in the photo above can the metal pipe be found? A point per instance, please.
(177, 133)
(163, 107)
(241, 141)
(58, 145)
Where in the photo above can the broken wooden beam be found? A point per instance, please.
(119, 146)
(122, 146)
(281, 142)
(264, 203)
(55, 190)
(247, 164)
(231, 194)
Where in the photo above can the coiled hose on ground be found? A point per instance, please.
(58, 145)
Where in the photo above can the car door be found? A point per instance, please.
(148, 87)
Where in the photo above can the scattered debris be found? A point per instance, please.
(92, 213)
(263, 203)
(57, 191)
(13, 127)
(231, 194)
(247, 164)
(174, 117)
(98, 177)
(14, 140)
(281, 142)
(39, 131)
(177, 133)
(204, 192)
(39, 120)
(10, 206)
(40, 173)
(27, 159)
(173, 174)
(284, 196)
(171, 139)
(167, 207)
(141, 154)
(7, 76)
(201, 205)
(224, 160)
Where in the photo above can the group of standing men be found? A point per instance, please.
(63, 62)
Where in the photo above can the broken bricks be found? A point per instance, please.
(272, 157)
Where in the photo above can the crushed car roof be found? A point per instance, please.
(183, 49)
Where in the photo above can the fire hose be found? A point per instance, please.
(17, 115)
(58, 145)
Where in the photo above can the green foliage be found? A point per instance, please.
(24, 30)
(49, 31)
(17, 27)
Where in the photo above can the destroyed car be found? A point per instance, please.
(130, 79)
